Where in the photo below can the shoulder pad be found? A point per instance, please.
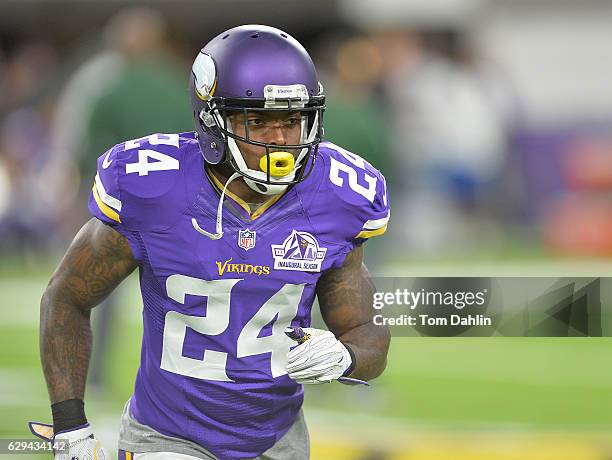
(144, 184)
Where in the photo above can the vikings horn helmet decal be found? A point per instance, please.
(256, 68)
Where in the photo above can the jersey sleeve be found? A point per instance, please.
(352, 204)
(375, 214)
(104, 199)
(142, 185)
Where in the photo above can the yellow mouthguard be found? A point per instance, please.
(281, 163)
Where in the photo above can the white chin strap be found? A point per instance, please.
(219, 227)
(261, 186)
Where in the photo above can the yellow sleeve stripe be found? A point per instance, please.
(371, 233)
(105, 197)
(106, 210)
(377, 223)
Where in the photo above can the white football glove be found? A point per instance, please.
(320, 359)
(80, 443)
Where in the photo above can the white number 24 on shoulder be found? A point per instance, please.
(368, 192)
(162, 162)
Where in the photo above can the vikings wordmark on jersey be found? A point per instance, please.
(214, 350)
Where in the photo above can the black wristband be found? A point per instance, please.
(68, 414)
(351, 368)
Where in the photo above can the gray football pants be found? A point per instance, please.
(141, 442)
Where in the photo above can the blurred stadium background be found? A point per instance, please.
(492, 121)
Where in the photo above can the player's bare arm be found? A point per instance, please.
(98, 259)
(345, 298)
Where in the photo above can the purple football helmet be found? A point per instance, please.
(255, 68)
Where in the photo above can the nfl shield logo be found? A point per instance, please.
(246, 239)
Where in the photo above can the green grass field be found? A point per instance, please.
(440, 398)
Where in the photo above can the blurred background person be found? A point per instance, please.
(452, 119)
(134, 86)
(355, 115)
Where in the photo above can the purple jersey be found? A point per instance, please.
(213, 354)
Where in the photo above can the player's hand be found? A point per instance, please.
(320, 358)
(80, 443)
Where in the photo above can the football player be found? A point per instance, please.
(234, 229)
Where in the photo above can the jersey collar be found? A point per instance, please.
(243, 204)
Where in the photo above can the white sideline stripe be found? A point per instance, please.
(391, 426)
(493, 268)
(541, 379)
(375, 224)
(386, 427)
(105, 197)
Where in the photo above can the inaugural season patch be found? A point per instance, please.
(299, 252)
